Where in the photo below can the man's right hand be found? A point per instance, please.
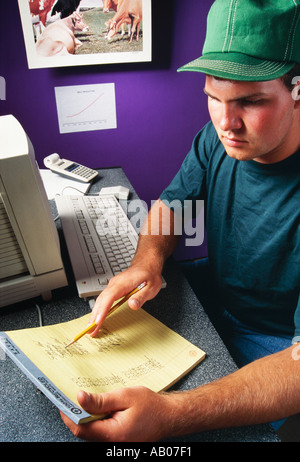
(121, 285)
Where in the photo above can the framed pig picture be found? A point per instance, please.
(59, 33)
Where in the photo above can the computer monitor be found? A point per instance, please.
(30, 258)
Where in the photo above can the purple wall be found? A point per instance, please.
(158, 109)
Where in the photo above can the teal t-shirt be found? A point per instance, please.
(252, 221)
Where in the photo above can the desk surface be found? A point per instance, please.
(26, 415)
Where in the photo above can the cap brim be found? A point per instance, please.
(238, 66)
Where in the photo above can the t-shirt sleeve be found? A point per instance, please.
(297, 320)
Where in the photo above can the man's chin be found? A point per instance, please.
(239, 154)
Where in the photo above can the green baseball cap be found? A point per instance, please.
(252, 40)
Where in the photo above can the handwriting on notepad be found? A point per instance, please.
(122, 377)
(99, 382)
(144, 368)
(55, 348)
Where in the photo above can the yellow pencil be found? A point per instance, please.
(120, 303)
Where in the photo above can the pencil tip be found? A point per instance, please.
(69, 344)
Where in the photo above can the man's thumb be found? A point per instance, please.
(90, 402)
(135, 303)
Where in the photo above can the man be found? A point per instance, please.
(245, 165)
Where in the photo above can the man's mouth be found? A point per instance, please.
(233, 142)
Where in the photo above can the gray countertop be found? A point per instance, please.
(26, 415)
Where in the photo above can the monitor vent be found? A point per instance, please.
(22, 290)
(11, 257)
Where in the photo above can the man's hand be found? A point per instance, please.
(134, 414)
(121, 285)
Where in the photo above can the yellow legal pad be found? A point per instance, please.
(132, 348)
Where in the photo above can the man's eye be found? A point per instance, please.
(252, 102)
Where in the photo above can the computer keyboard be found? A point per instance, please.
(100, 239)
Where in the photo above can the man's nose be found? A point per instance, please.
(230, 118)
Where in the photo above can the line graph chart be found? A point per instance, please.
(86, 107)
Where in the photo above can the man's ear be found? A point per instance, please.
(296, 90)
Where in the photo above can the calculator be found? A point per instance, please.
(69, 168)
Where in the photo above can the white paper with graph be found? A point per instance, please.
(86, 107)
(132, 348)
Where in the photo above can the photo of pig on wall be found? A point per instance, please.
(78, 32)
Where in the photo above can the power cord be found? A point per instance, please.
(40, 315)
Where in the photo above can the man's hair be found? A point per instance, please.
(289, 77)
